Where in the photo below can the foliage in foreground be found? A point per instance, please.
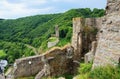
(107, 72)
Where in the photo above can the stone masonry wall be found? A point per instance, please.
(108, 49)
(77, 37)
(55, 62)
(112, 6)
(84, 32)
(28, 66)
(89, 57)
(51, 44)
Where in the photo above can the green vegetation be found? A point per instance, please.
(36, 30)
(66, 76)
(13, 50)
(52, 39)
(107, 72)
(2, 54)
(85, 72)
(63, 42)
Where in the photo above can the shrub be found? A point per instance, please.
(107, 72)
(84, 68)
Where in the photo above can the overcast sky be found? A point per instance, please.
(10, 9)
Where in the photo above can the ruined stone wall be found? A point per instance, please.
(28, 66)
(77, 37)
(89, 57)
(62, 61)
(55, 62)
(84, 32)
(57, 31)
(108, 49)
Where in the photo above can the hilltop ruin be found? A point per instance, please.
(97, 39)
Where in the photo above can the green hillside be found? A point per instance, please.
(35, 31)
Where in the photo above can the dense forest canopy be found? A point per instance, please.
(35, 31)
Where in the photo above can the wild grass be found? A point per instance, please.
(106, 72)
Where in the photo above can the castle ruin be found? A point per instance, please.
(108, 48)
(98, 36)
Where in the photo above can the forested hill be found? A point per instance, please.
(35, 31)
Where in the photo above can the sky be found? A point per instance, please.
(11, 9)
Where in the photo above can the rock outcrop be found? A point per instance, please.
(55, 62)
(108, 49)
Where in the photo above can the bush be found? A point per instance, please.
(84, 68)
(2, 54)
(107, 72)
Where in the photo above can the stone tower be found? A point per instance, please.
(57, 31)
(77, 38)
(82, 38)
